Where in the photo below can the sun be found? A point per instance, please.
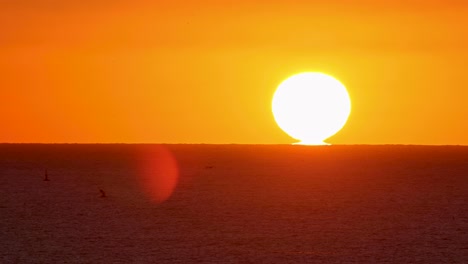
(311, 107)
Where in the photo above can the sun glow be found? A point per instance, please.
(311, 107)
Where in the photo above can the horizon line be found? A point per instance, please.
(263, 144)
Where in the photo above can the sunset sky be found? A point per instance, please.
(137, 71)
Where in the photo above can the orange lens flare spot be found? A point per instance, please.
(159, 173)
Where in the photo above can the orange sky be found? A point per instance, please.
(205, 71)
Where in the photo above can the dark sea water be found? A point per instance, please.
(233, 204)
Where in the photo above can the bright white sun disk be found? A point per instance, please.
(311, 107)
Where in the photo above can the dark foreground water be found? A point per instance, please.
(233, 204)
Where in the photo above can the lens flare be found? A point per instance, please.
(158, 172)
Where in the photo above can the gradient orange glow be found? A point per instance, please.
(205, 71)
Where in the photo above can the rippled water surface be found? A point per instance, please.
(233, 204)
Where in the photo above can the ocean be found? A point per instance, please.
(131, 203)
